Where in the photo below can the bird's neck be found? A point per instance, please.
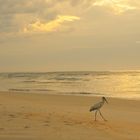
(103, 101)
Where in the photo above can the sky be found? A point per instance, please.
(69, 35)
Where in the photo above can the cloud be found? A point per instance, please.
(117, 6)
(43, 15)
(35, 15)
(50, 26)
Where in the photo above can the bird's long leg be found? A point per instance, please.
(95, 114)
(102, 116)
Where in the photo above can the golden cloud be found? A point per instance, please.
(118, 6)
(51, 26)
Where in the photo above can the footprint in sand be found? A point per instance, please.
(28, 116)
(46, 123)
(1, 129)
(9, 120)
(26, 126)
(101, 125)
(12, 115)
(68, 123)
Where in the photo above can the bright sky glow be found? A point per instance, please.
(51, 26)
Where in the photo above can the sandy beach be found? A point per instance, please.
(59, 117)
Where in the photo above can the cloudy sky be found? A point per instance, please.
(60, 35)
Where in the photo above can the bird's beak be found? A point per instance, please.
(106, 101)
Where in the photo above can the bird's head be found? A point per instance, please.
(104, 99)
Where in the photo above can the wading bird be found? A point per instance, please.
(97, 107)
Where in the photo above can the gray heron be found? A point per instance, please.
(96, 107)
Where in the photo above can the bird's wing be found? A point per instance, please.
(95, 106)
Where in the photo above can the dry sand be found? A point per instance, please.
(58, 117)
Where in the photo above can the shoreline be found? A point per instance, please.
(81, 94)
(41, 116)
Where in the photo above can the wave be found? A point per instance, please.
(81, 93)
(33, 81)
(42, 90)
(55, 82)
(49, 90)
(14, 89)
(29, 90)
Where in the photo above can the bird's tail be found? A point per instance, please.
(91, 109)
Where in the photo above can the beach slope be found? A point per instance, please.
(59, 117)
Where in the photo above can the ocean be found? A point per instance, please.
(121, 84)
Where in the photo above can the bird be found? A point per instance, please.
(96, 107)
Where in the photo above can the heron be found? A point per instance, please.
(96, 107)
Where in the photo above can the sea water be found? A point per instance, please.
(122, 84)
